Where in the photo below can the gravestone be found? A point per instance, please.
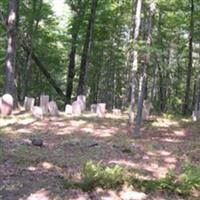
(195, 115)
(76, 108)
(6, 105)
(53, 108)
(93, 108)
(147, 106)
(117, 112)
(82, 100)
(101, 109)
(28, 103)
(44, 100)
(37, 112)
(68, 109)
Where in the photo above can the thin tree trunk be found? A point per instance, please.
(143, 78)
(135, 58)
(86, 51)
(71, 67)
(186, 103)
(12, 24)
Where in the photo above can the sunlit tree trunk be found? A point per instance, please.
(190, 62)
(143, 78)
(12, 23)
(86, 51)
(135, 58)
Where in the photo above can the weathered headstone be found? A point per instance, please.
(53, 108)
(28, 103)
(37, 112)
(6, 105)
(82, 100)
(68, 109)
(195, 115)
(101, 109)
(117, 112)
(93, 108)
(147, 105)
(44, 100)
(76, 108)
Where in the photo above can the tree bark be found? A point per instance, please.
(12, 26)
(143, 78)
(135, 58)
(71, 67)
(86, 51)
(186, 107)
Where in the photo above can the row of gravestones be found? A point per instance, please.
(46, 107)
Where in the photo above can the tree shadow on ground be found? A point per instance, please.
(69, 142)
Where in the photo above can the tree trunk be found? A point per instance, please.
(186, 107)
(143, 78)
(12, 24)
(135, 58)
(71, 67)
(86, 51)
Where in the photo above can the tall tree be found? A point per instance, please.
(86, 50)
(143, 78)
(190, 61)
(78, 14)
(134, 55)
(12, 23)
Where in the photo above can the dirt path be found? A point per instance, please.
(28, 172)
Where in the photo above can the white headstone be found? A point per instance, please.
(28, 103)
(117, 112)
(53, 108)
(147, 105)
(93, 108)
(68, 109)
(44, 100)
(76, 108)
(6, 105)
(37, 112)
(82, 100)
(101, 109)
(195, 116)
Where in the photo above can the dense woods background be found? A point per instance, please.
(105, 49)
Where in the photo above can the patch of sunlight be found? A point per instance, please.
(127, 193)
(47, 165)
(87, 129)
(170, 140)
(170, 160)
(123, 162)
(32, 168)
(77, 122)
(39, 195)
(164, 153)
(160, 122)
(179, 133)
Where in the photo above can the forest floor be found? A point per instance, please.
(29, 172)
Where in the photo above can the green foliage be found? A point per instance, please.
(97, 175)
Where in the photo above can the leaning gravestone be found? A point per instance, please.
(101, 109)
(76, 108)
(6, 105)
(68, 109)
(28, 103)
(53, 108)
(37, 112)
(82, 100)
(93, 108)
(147, 105)
(44, 100)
